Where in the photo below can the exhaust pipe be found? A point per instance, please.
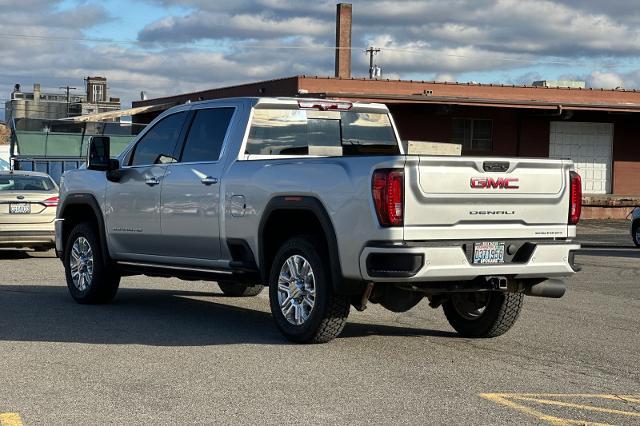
(553, 288)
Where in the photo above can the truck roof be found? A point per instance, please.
(265, 100)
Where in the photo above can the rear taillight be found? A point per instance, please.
(575, 198)
(51, 202)
(387, 187)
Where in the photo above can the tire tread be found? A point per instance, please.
(336, 310)
(497, 321)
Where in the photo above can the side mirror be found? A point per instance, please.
(98, 155)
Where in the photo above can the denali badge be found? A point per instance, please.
(491, 183)
(491, 212)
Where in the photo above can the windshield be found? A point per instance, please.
(321, 133)
(26, 183)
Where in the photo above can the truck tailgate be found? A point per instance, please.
(462, 198)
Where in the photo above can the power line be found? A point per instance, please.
(68, 98)
(420, 51)
(372, 52)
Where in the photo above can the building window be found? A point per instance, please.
(472, 134)
(98, 95)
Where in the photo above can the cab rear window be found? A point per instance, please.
(26, 183)
(320, 133)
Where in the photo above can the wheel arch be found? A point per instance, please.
(279, 210)
(77, 208)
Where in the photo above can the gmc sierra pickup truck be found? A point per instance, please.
(318, 201)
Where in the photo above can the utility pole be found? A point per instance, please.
(68, 99)
(372, 51)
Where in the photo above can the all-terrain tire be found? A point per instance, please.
(499, 315)
(240, 290)
(104, 282)
(328, 316)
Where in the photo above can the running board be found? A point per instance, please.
(178, 268)
(188, 272)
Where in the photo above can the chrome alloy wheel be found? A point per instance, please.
(296, 289)
(471, 306)
(81, 263)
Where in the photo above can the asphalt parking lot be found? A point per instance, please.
(168, 351)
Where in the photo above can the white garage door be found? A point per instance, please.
(589, 145)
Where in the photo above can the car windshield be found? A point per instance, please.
(26, 183)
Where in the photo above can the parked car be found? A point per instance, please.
(317, 200)
(28, 202)
(635, 226)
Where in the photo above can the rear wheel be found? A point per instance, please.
(483, 314)
(89, 279)
(635, 233)
(240, 290)
(303, 302)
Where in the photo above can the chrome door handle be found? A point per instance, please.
(152, 181)
(209, 180)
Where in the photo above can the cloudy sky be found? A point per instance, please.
(171, 46)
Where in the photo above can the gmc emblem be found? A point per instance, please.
(491, 183)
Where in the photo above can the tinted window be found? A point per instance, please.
(206, 135)
(473, 135)
(158, 144)
(330, 133)
(25, 183)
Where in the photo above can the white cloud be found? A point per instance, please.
(254, 40)
(605, 80)
(444, 77)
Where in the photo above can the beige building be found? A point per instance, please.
(53, 106)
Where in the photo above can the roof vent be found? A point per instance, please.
(569, 84)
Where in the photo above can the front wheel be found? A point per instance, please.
(483, 314)
(89, 279)
(303, 302)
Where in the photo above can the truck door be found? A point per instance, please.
(191, 190)
(133, 209)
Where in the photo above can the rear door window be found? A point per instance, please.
(206, 135)
(320, 133)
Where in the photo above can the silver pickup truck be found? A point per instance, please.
(318, 200)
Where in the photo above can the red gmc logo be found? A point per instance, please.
(491, 183)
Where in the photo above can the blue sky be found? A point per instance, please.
(164, 47)
(125, 26)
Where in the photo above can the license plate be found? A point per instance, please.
(20, 208)
(488, 253)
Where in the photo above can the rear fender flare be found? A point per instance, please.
(309, 204)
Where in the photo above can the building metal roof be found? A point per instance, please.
(413, 91)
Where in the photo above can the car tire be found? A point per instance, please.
(240, 290)
(483, 314)
(90, 277)
(635, 233)
(305, 306)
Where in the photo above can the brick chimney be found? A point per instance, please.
(343, 39)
